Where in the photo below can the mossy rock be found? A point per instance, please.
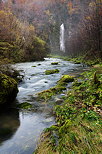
(65, 79)
(54, 63)
(24, 105)
(58, 88)
(47, 94)
(8, 89)
(47, 72)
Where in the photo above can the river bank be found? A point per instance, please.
(84, 59)
(78, 118)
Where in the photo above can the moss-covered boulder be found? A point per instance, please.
(65, 79)
(8, 89)
(54, 63)
(47, 72)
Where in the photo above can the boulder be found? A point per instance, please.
(8, 89)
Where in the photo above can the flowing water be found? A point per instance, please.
(21, 129)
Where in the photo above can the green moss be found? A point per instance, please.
(46, 94)
(8, 89)
(24, 105)
(33, 66)
(65, 80)
(48, 72)
(54, 63)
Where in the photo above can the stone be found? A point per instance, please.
(8, 89)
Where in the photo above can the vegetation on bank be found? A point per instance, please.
(78, 118)
(18, 39)
(36, 50)
(84, 59)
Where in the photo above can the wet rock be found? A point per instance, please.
(54, 63)
(8, 89)
(58, 101)
(46, 81)
(49, 120)
(65, 79)
(48, 72)
(24, 105)
(33, 74)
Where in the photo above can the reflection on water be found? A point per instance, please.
(20, 130)
(24, 139)
(9, 123)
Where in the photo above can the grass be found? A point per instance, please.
(78, 128)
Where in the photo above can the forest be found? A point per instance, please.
(51, 61)
(28, 26)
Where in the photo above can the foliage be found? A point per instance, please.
(37, 50)
(78, 119)
(18, 41)
(43, 18)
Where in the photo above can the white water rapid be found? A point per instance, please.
(62, 39)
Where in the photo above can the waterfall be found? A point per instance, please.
(62, 39)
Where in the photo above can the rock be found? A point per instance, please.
(47, 72)
(58, 101)
(46, 81)
(24, 105)
(54, 63)
(65, 79)
(8, 89)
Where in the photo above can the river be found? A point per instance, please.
(22, 128)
